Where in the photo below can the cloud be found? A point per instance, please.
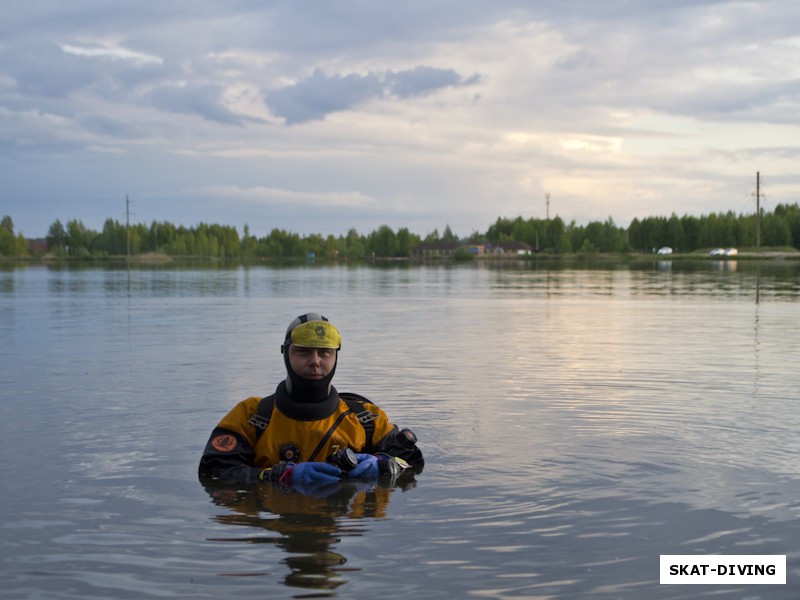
(319, 95)
(422, 80)
(195, 98)
(111, 51)
(44, 69)
(265, 196)
(618, 108)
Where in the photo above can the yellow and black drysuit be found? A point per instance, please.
(260, 433)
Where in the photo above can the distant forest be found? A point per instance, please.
(779, 229)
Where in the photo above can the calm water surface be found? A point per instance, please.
(578, 422)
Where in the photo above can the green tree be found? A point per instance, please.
(57, 237)
(354, 245)
(691, 233)
(791, 214)
(280, 244)
(613, 237)
(587, 247)
(227, 238)
(7, 241)
(112, 239)
(78, 238)
(315, 244)
(448, 235)
(432, 237)
(554, 238)
(775, 231)
(159, 236)
(564, 244)
(406, 242)
(248, 243)
(382, 242)
(635, 234)
(10, 244)
(180, 243)
(676, 237)
(500, 231)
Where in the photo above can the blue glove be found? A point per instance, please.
(367, 467)
(309, 474)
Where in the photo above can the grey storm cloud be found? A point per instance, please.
(317, 96)
(423, 80)
(202, 99)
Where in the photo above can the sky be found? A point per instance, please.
(319, 116)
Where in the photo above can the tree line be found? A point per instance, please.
(779, 228)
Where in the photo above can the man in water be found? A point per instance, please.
(307, 434)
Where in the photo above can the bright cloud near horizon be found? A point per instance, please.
(322, 116)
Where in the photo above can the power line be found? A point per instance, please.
(758, 209)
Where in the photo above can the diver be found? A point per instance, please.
(307, 434)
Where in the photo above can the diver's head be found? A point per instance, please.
(310, 352)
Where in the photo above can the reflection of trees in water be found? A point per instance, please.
(306, 527)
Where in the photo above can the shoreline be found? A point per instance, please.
(160, 259)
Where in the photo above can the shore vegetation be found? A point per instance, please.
(778, 233)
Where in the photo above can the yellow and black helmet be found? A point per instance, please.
(312, 330)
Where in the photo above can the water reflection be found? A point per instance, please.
(307, 528)
(774, 279)
(543, 278)
(724, 265)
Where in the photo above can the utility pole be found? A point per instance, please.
(128, 224)
(758, 209)
(547, 202)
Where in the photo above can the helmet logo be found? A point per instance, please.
(320, 331)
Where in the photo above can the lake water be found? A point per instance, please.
(578, 421)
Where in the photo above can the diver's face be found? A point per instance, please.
(312, 363)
